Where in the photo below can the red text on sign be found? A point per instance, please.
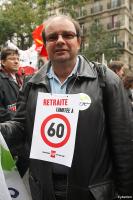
(55, 102)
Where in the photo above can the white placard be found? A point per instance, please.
(12, 186)
(55, 128)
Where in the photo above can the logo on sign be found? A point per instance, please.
(53, 153)
(85, 101)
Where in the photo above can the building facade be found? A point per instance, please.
(115, 15)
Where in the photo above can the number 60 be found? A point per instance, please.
(58, 131)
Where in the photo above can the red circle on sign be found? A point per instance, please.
(62, 143)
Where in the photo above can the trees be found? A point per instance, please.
(71, 6)
(100, 41)
(18, 19)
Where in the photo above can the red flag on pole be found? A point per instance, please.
(37, 37)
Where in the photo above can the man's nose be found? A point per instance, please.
(60, 38)
(16, 60)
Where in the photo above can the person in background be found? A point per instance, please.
(128, 84)
(10, 83)
(117, 67)
(102, 165)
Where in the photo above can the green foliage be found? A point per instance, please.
(19, 18)
(100, 41)
(70, 6)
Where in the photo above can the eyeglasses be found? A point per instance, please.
(66, 35)
(13, 58)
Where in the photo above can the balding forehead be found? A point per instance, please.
(58, 19)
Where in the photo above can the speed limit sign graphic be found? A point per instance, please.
(55, 130)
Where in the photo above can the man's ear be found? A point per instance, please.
(79, 42)
(2, 62)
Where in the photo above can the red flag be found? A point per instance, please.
(37, 37)
(43, 52)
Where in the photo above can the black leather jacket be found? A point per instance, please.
(9, 90)
(103, 156)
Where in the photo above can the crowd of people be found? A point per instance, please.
(127, 77)
(102, 162)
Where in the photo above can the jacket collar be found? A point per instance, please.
(4, 74)
(85, 69)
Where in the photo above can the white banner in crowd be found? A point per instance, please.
(28, 57)
(11, 184)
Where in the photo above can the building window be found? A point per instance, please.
(115, 3)
(82, 11)
(114, 39)
(83, 30)
(97, 22)
(130, 24)
(97, 7)
(114, 20)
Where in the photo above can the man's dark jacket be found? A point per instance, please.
(9, 90)
(103, 155)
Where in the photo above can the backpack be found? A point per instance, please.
(101, 71)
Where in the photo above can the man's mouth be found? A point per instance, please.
(60, 50)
